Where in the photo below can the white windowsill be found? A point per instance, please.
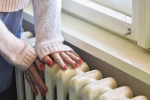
(111, 48)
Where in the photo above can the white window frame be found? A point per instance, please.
(139, 24)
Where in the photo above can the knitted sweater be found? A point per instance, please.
(48, 29)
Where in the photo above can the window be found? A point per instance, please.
(122, 6)
(117, 16)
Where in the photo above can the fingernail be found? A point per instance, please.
(80, 60)
(42, 66)
(42, 94)
(76, 64)
(65, 67)
(44, 91)
(49, 63)
(34, 93)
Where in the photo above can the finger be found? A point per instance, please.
(67, 59)
(39, 88)
(59, 60)
(75, 58)
(76, 54)
(40, 84)
(39, 64)
(36, 79)
(42, 91)
(47, 60)
(33, 88)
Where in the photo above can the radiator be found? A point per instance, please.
(77, 84)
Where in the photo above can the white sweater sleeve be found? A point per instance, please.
(48, 27)
(15, 51)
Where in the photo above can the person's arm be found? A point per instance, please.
(48, 27)
(49, 40)
(20, 54)
(15, 51)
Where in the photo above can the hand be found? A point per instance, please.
(69, 57)
(34, 78)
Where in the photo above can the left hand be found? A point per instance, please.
(69, 57)
(35, 79)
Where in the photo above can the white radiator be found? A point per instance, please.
(79, 84)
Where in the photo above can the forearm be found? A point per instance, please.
(15, 51)
(48, 27)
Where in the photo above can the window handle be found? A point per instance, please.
(128, 32)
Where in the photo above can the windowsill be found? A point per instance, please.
(111, 48)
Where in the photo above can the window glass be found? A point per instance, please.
(112, 15)
(123, 6)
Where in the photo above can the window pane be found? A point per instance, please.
(118, 5)
(109, 17)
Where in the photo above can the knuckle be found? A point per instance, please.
(73, 64)
(58, 59)
(68, 53)
(61, 53)
(73, 61)
(76, 55)
(67, 57)
(72, 52)
(36, 82)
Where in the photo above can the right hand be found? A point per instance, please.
(35, 79)
(61, 57)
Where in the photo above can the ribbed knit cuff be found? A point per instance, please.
(29, 56)
(13, 5)
(51, 49)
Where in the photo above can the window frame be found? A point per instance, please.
(140, 32)
(141, 22)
